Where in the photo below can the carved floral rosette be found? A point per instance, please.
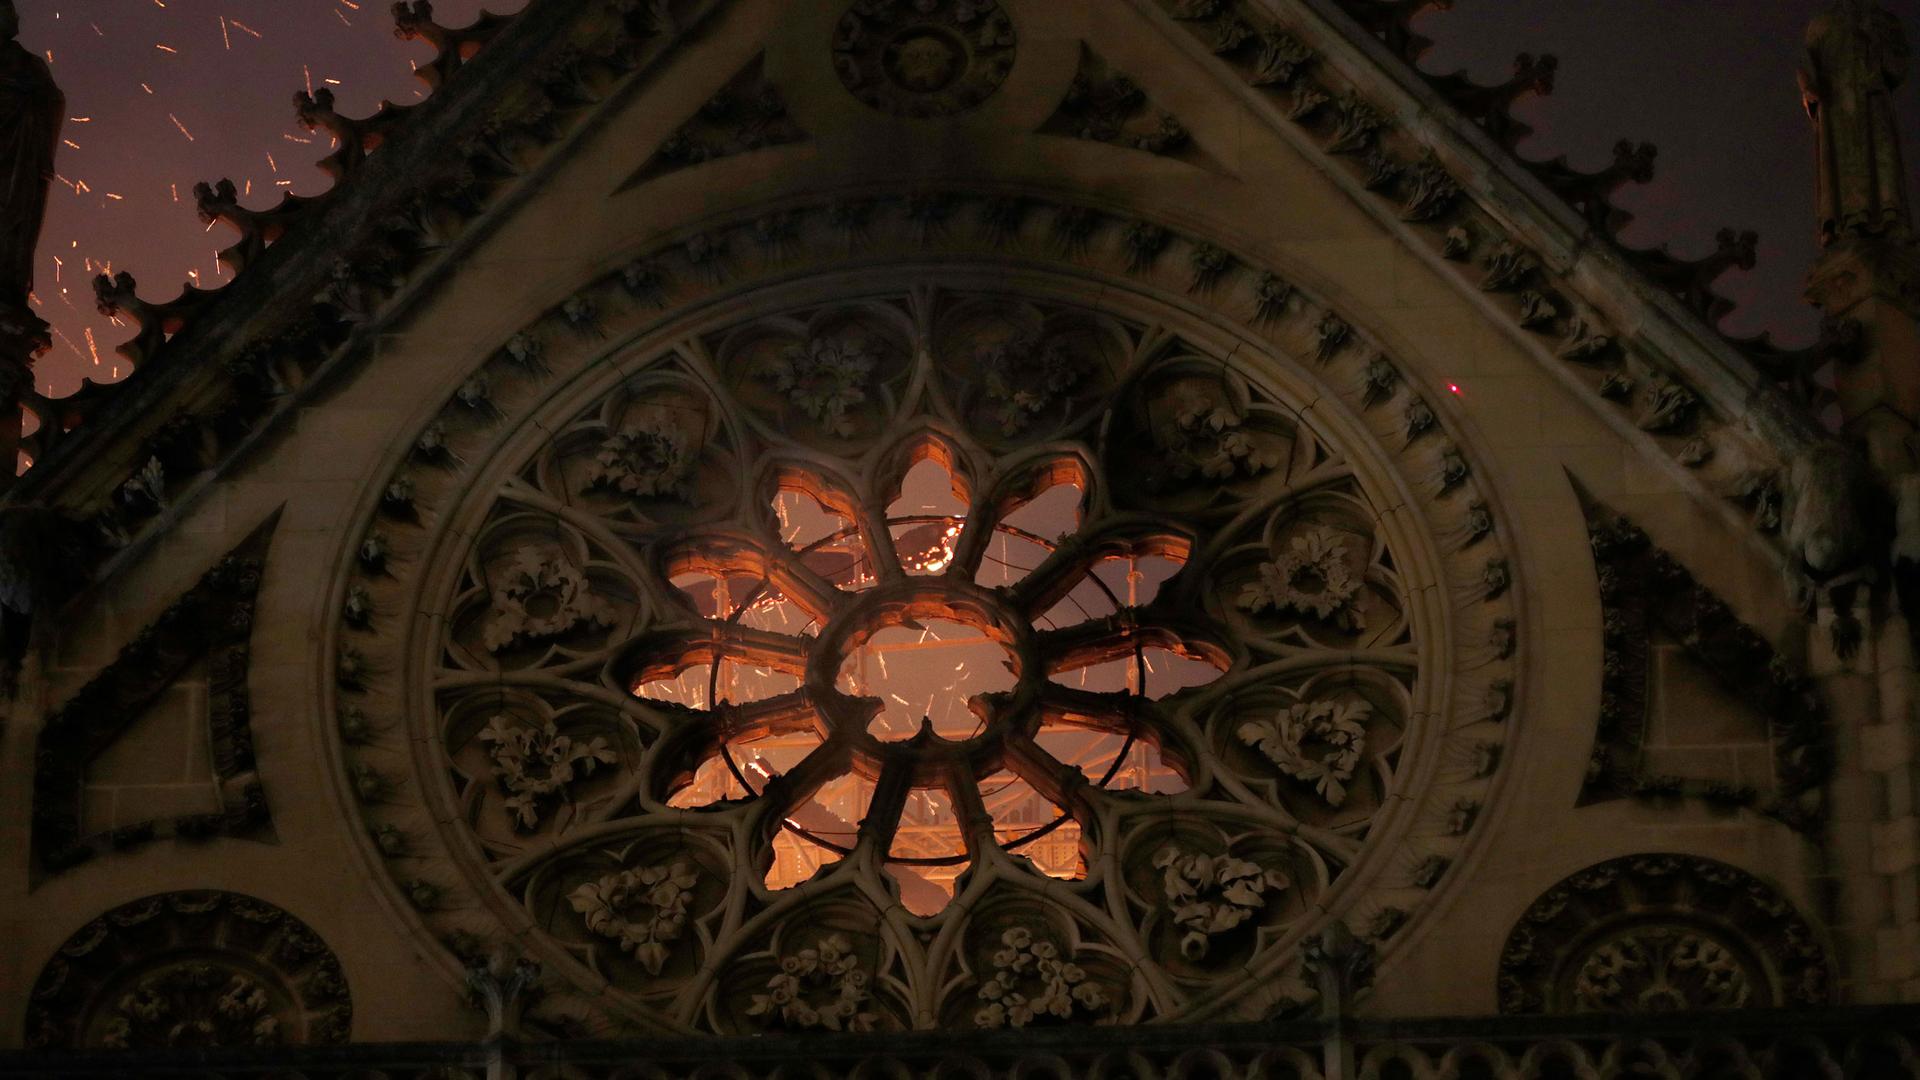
(190, 969)
(924, 58)
(1315, 681)
(1662, 933)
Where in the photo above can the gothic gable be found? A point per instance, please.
(888, 516)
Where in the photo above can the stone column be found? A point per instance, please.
(1869, 270)
(1869, 274)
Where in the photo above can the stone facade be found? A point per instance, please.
(1372, 576)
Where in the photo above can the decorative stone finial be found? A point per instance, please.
(1857, 56)
(1342, 965)
(502, 983)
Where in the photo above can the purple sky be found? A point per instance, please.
(1710, 81)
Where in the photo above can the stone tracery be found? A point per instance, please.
(1071, 553)
(657, 467)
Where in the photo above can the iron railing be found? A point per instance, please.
(1870, 1042)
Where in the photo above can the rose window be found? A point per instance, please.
(969, 683)
(966, 660)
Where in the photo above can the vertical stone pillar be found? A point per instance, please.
(1859, 867)
(1869, 275)
(1342, 966)
(1869, 270)
(1887, 757)
(502, 984)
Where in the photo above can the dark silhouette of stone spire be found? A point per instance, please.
(1869, 273)
(1867, 284)
(31, 112)
(1857, 57)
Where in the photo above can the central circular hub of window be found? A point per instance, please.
(927, 672)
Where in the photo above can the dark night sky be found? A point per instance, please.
(1710, 81)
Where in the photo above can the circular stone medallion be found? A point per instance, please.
(924, 58)
(190, 970)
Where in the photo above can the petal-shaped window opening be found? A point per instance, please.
(843, 563)
(701, 686)
(1027, 534)
(827, 541)
(689, 687)
(929, 671)
(803, 522)
(925, 890)
(1009, 557)
(819, 831)
(931, 852)
(1165, 673)
(928, 828)
(1111, 584)
(1027, 824)
(796, 859)
(1090, 598)
(712, 783)
(1108, 759)
(926, 518)
(744, 599)
(773, 612)
(1136, 580)
(754, 762)
(838, 554)
(1050, 515)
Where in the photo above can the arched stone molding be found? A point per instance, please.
(1304, 365)
(190, 969)
(1659, 933)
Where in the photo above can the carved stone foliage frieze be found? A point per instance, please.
(746, 114)
(190, 969)
(924, 58)
(211, 623)
(1107, 105)
(1661, 934)
(1646, 594)
(670, 675)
